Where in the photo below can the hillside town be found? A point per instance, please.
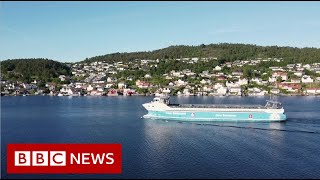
(101, 79)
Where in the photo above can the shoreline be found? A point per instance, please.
(281, 95)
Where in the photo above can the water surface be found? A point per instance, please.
(160, 149)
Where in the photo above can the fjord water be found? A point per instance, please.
(160, 149)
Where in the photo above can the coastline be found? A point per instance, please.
(283, 95)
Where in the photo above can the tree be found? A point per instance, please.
(279, 79)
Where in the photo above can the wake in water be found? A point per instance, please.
(248, 127)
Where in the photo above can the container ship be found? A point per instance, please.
(161, 108)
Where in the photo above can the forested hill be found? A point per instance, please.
(26, 69)
(224, 52)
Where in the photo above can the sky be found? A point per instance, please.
(73, 31)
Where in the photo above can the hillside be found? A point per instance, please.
(26, 69)
(224, 52)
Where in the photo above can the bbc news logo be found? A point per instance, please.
(64, 158)
(39, 158)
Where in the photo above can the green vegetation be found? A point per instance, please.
(28, 69)
(223, 52)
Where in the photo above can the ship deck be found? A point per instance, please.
(228, 106)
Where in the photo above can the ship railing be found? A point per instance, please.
(218, 106)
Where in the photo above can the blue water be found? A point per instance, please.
(160, 149)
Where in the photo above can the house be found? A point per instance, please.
(100, 89)
(307, 66)
(111, 79)
(142, 84)
(235, 91)
(206, 74)
(256, 92)
(168, 77)
(186, 92)
(312, 91)
(290, 66)
(176, 74)
(221, 78)
(237, 74)
(272, 79)
(122, 85)
(166, 90)
(67, 91)
(147, 76)
(79, 85)
(231, 84)
(291, 87)
(203, 81)
(205, 89)
(218, 85)
(243, 81)
(222, 91)
(283, 75)
(257, 80)
(306, 79)
(298, 73)
(62, 77)
(180, 83)
(130, 78)
(29, 86)
(109, 85)
(96, 93)
(90, 87)
(35, 81)
(275, 68)
(217, 68)
(295, 80)
(189, 73)
(275, 91)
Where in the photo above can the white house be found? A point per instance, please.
(275, 91)
(180, 83)
(256, 92)
(218, 85)
(166, 90)
(283, 75)
(235, 90)
(186, 92)
(231, 84)
(257, 80)
(312, 91)
(307, 66)
(175, 74)
(147, 76)
(203, 81)
(122, 85)
(306, 79)
(295, 80)
(298, 73)
(62, 77)
(243, 81)
(272, 79)
(217, 68)
(108, 85)
(222, 91)
(90, 87)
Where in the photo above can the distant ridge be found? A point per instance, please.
(222, 51)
